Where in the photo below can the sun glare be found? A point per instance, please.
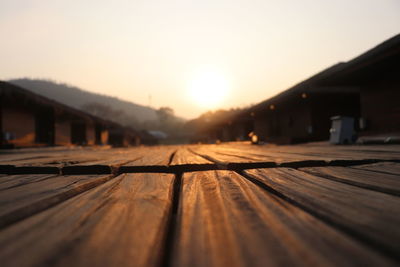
(208, 88)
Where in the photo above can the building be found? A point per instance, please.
(28, 119)
(377, 75)
(302, 113)
(366, 88)
(123, 136)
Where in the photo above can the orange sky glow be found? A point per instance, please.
(189, 55)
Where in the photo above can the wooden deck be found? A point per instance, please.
(201, 205)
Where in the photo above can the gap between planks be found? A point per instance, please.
(181, 168)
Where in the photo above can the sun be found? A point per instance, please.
(208, 88)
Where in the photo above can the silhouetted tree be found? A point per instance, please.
(165, 114)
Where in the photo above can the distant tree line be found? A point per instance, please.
(209, 119)
(166, 120)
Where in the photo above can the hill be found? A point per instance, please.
(124, 112)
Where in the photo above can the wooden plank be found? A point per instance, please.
(382, 167)
(39, 192)
(20, 155)
(370, 216)
(225, 220)
(106, 163)
(12, 181)
(73, 157)
(159, 155)
(76, 162)
(5, 153)
(216, 154)
(51, 160)
(354, 151)
(239, 159)
(278, 155)
(93, 161)
(155, 159)
(120, 223)
(376, 147)
(251, 153)
(65, 157)
(11, 159)
(184, 156)
(385, 149)
(321, 152)
(231, 154)
(382, 182)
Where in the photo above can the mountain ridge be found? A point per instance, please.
(77, 97)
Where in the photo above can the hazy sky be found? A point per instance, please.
(163, 48)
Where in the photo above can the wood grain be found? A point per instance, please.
(382, 182)
(384, 167)
(159, 155)
(225, 220)
(12, 181)
(367, 215)
(172, 210)
(184, 156)
(120, 223)
(39, 192)
(313, 151)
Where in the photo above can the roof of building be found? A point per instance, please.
(8, 88)
(341, 76)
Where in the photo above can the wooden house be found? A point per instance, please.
(377, 75)
(301, 113)
(74, 128)
(27, 119)
(366, 88)
(123, 136)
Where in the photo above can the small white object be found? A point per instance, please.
(362, 123)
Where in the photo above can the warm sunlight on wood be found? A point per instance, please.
(208, 88)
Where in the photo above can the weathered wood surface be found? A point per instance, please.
(77, 156)
(286, 154)
(225, 220)
(119, 223)
(378, 181)
(167, 206)
(367, 214)
(87, 161)
(384, 167)
(184, 156)
(29, 194)
(28, 156)
(12, 181)
(159, 155)
(319, 151)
